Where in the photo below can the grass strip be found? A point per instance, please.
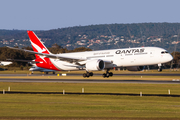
(58, 106)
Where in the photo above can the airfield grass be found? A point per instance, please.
(58, 106)
(53, 106)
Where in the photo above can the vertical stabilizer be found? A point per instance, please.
(37, 45)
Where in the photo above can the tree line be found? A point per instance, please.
(6, 53)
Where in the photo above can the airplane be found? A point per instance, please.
(134, 59)
(35, 68)
(4, 63)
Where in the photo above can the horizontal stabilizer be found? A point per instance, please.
(18, 60)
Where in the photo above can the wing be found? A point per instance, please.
(75, 60)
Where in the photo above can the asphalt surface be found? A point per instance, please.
(88, 80)
(70, 74)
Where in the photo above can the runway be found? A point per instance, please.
(90, 81)
(71, 74)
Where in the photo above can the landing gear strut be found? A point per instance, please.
(107, 74)
(160, 68)
(88, 74)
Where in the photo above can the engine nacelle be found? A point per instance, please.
(135, 68)
(94, 65)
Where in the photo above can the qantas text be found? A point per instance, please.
(130, 51)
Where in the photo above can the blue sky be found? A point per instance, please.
(53, 14)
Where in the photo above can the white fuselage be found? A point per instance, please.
(117, 57)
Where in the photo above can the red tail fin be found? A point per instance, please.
(37, 45)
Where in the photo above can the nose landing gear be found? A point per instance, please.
(160, 68)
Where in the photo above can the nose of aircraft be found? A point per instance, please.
(170, 57)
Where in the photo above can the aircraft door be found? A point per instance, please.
(151, 54)
(122, 59)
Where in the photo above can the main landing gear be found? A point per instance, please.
(88, 74)
(107, 74)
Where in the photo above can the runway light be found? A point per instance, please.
(82, 90)
(169, 92)
(9, 88)
(63, 74)
(3, 91)
(140, 94)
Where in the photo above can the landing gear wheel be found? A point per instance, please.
(111, 74)
(107, 74)
(104, 75)
(160, 70)
(88, 74)
(84, 75)
(91, 74)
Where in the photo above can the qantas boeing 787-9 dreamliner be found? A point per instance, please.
(133, 59)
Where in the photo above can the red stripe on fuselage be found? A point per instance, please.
(45, 63)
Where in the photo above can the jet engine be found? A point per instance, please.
(94, 65)
(135, 68)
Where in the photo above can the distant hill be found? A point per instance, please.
(104, 36)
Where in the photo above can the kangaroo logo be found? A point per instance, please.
(38, 48)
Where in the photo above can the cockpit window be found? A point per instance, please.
(163, 52)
